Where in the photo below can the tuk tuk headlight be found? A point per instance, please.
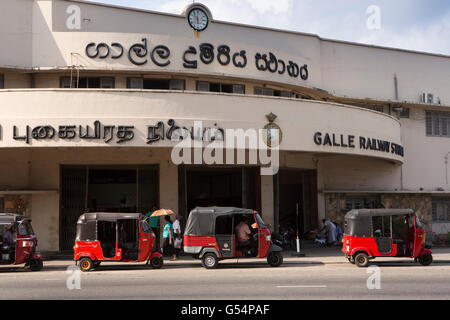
(27, 244)
(268, 238)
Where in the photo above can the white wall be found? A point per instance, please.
(343, 69)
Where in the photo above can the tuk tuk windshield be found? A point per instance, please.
(25, 229)
(260, 222)
(146, 227)
(418, 223)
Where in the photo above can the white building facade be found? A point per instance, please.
(93, 98)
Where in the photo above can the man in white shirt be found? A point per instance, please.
(243, 232)
(177, 234)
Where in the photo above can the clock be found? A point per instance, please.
(198, 19)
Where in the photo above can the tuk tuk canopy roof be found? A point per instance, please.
(358, 222)
(87, 223)
(8, 218)
(361, 213)
(202, 220)
(107, 216)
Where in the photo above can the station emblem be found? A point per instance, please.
(272, 133)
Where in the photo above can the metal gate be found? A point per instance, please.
(74, 195)
(148, 188)
(73, 203)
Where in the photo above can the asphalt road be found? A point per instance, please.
(252, 280)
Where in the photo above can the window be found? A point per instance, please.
(271, 92)
(220, 87)
(404, 113)
(440, 209)
(437, 123)
(302, 96)
(2, 205)
(155, 84)
(2, 82)
(381, 226)
(374, 108)
(90, 82)
(361, 202)
(224, 225)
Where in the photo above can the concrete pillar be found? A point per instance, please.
(321, 207)
(267, 202)
(168, 185)
(45, 220)
(168, 190)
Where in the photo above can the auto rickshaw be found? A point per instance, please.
(124, 237)
(210, 235)
(370, 233)
(18, 242)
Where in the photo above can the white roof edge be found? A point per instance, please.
(265, 28)
(251, 96)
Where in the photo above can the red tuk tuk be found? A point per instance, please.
(122, 237)
(370, 233)
(18, 242)
(210, 235)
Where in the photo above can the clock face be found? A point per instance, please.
(198, 19)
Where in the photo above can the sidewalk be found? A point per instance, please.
(313, 255)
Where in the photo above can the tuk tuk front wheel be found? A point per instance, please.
(86, 264)
(156, 262)
(362, 260)
(210, 261)
(275, 259)
(425, 259)
(36, 265)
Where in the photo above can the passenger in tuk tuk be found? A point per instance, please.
(243, 234)
(8, 246)
(8, 238)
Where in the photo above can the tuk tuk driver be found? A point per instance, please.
(243, 232)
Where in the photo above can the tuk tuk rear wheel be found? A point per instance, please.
(210, 261)
(156, 262)
(425, 259)
(86, 264)
(351, 260)
(362, 260)
(36, 265)
(274, 259)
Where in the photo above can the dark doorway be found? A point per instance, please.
(296, 190)
(112, 190)
(201, 186)
(104, 189)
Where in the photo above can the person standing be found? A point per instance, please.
(177, 235)
(168, 239)
(154, 224)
